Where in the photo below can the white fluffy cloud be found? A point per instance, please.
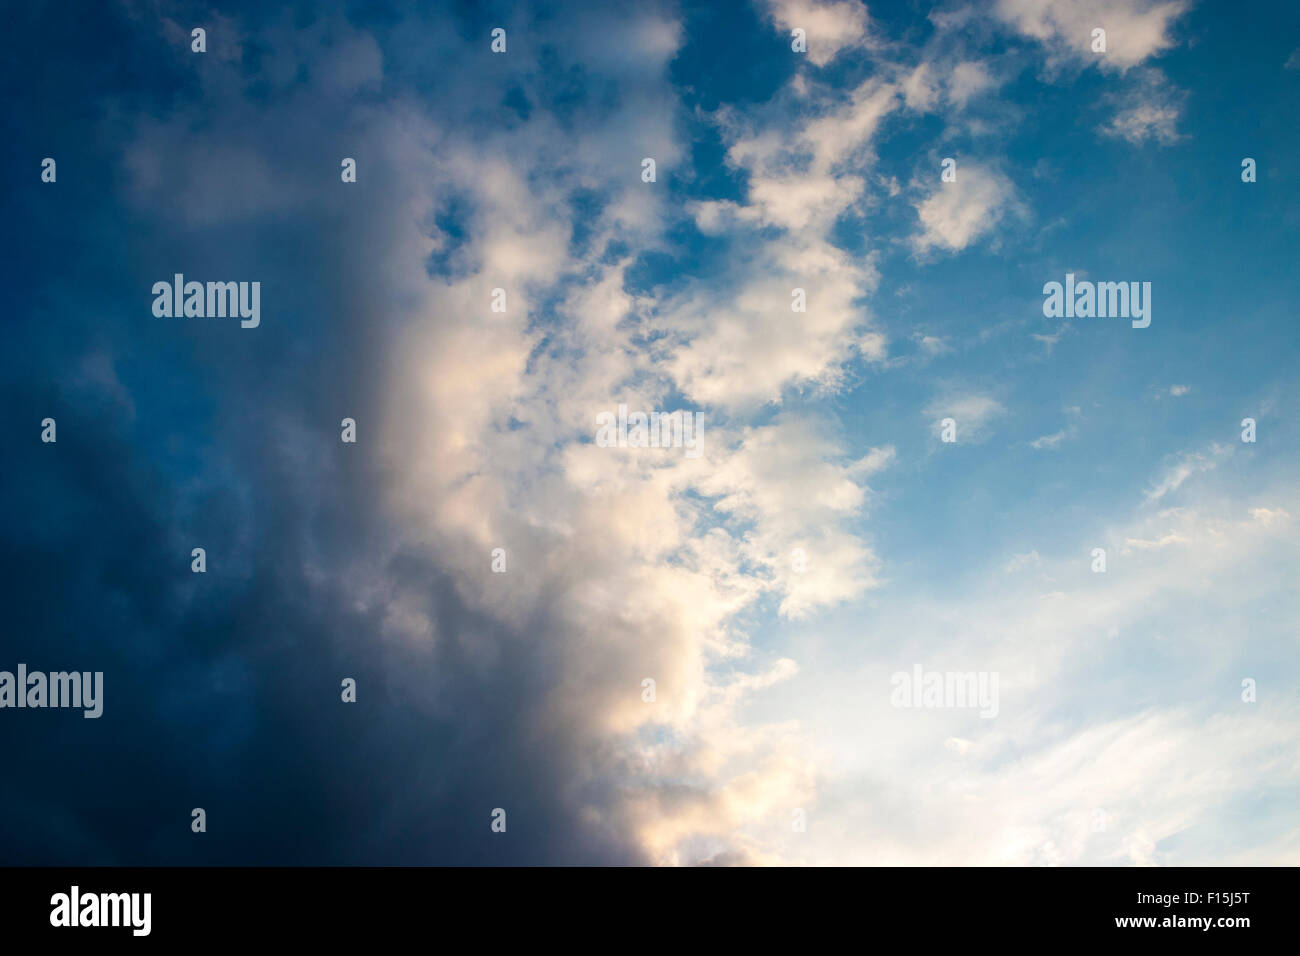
(973, 413)
(628, 564)
(735, 341)
(1135, 29)
(957, 214)
(830, 25)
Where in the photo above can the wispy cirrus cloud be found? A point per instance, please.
(1148, 112)
(1186, 466)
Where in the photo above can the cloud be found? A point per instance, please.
(476, 433)
(784, 485)
(1135, 29)
(732, 340)
(944, 79)
(1053, 440)
(955, 215)
(972, 412)
(1021, 561)
(523, 689)
(932, 344)
(1051, 340)
(622, 565)
(1269, 516)
(830, 25)
(968, 80)
(920, 88)
(1142, 544)
(1148, 112)
(1078, 707)
(634, 565)
(1189, 464)
(1146, 121)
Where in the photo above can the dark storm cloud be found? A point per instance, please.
(222, 689)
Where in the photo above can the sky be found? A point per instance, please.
(673, 658)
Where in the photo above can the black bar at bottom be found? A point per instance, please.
(1216, 905)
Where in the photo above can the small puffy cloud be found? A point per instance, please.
(1269, 516)
(955, 215)
(972, 412)
(969, 80)
(931, 344)
(1178, 391)
(1135, 29)
(1143, 122)
(928, 84)
(1148, 111)
(830, 26)
(739, 347)
(920, 88)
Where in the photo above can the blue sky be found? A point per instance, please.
(1121, 693)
